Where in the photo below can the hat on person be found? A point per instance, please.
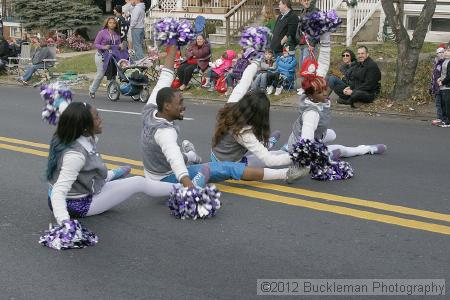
(441, 48)
(118, 8)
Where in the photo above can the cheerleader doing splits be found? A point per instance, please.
(314, 119)
(79, 183)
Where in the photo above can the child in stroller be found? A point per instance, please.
(133, 82)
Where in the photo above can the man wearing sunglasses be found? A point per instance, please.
(364, 84)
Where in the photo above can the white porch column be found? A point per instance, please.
(380, 28)
(350, 21)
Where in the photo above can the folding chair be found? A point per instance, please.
(17, 64)
(46, 73)
(198, 74)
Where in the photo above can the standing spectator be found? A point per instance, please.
(42, 52)
(198, 56)
(107, 42)
(137, 28)
(434, 88)
(444, 84)
(364, 83)
(348, 62)
(285, 28)
(126, 12)
(123, 24)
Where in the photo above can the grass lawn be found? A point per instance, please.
(81, 64)
(84, 63)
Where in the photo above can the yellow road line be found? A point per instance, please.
(268, 186)
(24, 150)
(349, 200)
(360, 214)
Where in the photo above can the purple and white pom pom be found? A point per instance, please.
(315, 154)
(56, 97)
(334, 170)
(186, 33)
(194, 203)
(166, 31)
(317, 23)
(68, 235)
(255, 37)
(307, 152)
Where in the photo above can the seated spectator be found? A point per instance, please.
(236, 72)
(364, 83)
(284, 72)
(4, 53)
(198, 55)
(219, 68)
(260, 82)
(42, 52)
(348, 62)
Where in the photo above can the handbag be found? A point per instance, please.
(221, 85)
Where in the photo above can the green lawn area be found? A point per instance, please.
(81, 64)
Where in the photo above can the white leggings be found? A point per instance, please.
(253, 161)
(345, 151)
(117, 191)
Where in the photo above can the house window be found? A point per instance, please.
(14, 32)
(411, 22)
(440, 24)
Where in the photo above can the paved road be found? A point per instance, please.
(267, 231)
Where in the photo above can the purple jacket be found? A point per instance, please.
(239, 67)
(103, 39)
(437, 66)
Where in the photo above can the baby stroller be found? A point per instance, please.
(133, 83)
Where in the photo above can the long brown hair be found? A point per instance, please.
(253, 109)
(116, 29)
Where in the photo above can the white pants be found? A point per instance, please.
(117, 191)
(99, 75)
(344, 150)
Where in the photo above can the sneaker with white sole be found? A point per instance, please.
(273, 139)
(295, 173)
(300, 91)
(269, 90)
(377, 149)
(278, 91)
(187, 146)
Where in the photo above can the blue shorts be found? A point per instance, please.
(219, 171)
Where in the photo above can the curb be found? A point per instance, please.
(336, 108)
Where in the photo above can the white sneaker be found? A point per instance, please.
(295, 173)
(187, 146)
(278, 91)
(269, 90)
(300, 91)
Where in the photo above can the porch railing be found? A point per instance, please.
(358, 16)
(243, 14)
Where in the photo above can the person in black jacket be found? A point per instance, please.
(285, 28)
(4, 53)
(364, 83)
